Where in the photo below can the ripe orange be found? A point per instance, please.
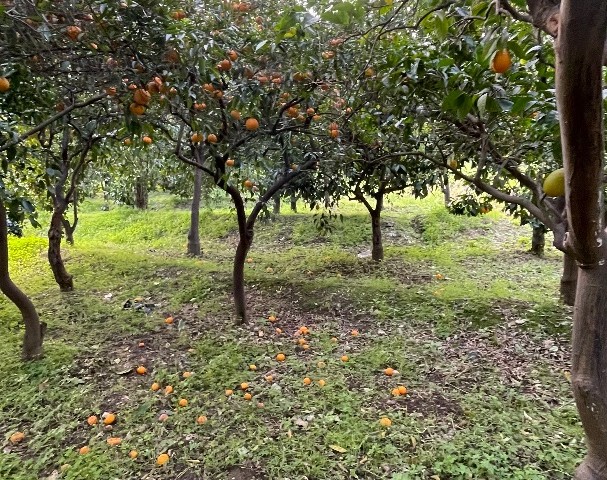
(183, 402)
(178, 15)
(84, 450)
(248, 184)
(17, 437)
(224, 65)
(233, 55)
(402, 390)
(244, 385)
(272, 318)
(229, 392)
(142, 97)
(153, 87)
(345, 358)
(207, 87)
(147, 140)
(230, 162)
(235, 114)
(155, 387)
(201, 420)
(114, 441)
(321, 383)
(307, 381)
(253, 367)
(111, 91)
(385, 422)
(369, 72)
(5, 84)
(334, 133)
(133, 454)
(73, 32)
(187, 374)
(168, 320)
(310, 111)
(389, 371)
(127, 141)
(196, 137)
(251, 124)
(162, 459)
(200, 106)
(328, 55)
(281, 357)
(501, 61)
(396, 392)
(92, 420)
(141, 370)
(168, 390)
(109, 419)
(247, 396)
(136, 109)
(212, 138)
(132, 86)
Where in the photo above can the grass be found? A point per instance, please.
(471, 322)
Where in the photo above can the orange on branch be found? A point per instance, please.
(251, 124)
(142, 97)
(501, 61)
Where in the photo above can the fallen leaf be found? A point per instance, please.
(337, 448)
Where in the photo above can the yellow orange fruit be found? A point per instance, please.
(244, 385)
(92, 420)
(141, 370)
(208, 87)
(321, 383)
(369, 72)
(252, 367)
(389, 371)
(212, 138)
(229, 392)
(73, 31)
(168, 390)
(235, 114)
(142, 97)
(269, 378)
(281, 357)
(554, 184)
(147, 140)
(136, 109)
(168, 320)
(183, 402)
(133, 454)
(501, 61)
(5, 84)
(395, 392)
(345, 358)
(201, 420)
(127, 141)
(109, 419)
(233, 55)
(247, 396)
(178, 15)
(385, 422)
(196, 137)
(334, 133)
(17, 437)
(200, 106)
(248, 184)
(114, 441)
(272, 318)
(307, 381)
(155, 387)
(251, 124)
(84, 450)
(224, 65)
(279, 331)
(187, 374)
(162, 459)
(402, 390)
(230, 162)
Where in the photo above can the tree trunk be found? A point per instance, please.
(569, 280)
(141, 194)
(276, 210)
(538, 240)
(34, 329)
(240, 301)
(589, 365)
(194, 232)
(55, 233)
(377, 251)
(293, 203)
(70, 228)
(446, 190)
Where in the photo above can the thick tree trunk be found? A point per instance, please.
(538, 240)
(194, 232)
(569, 280)
(141, 194)
(276, 210)
(34, 329)
(240, 301)
(377, 250)
(589, 366)
(293, 203)
(55, 233)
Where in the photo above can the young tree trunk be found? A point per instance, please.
(377, 250)
(34, 329)
(55, 233)
(141, 194)
(569, 280)
(538, 240)
(589, 367)
(446, 190)
(293, 203)
(70, 228)
(276, 210)
(194, 232)
(240, 301)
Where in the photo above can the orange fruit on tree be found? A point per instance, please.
(168, 390)
(133, 454)
(111, 91)
(147, 140)
(201, 420)
(141, 370)
(307, 381)
(17, 437)
(162, 459)
(178, 15)
(402, 390)
(127, 141)
(183, 402)
(251, 124)
(316, 118)
(233, 55)
(369, 72)
(155, 387)
(153, 87)
(389, 371)
(92, 420)
(196, 137)
(385, 422)
(5, 84)
(212, 138)
(200, 106)
(114, 441)
(109, 419)
(132, 86)
(334, 133)
(310, 111)
(73, 31)
(224, 65)
(248, 184)
(230, 162)
(235, 114)
(136, 109)
(84, 450)
(142, 97)
(501, 61)
(208, 87)
(281, 357)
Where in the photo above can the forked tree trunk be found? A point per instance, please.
(538, 240)
(276, 210)
(34, 329)
(141, 194)
(55, 233)
(194, 232)
(293, 203)
(569, 280)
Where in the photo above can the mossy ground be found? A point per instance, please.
(470, 320)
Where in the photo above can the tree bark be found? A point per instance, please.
(569, 280)
(244, 244)
(538, 240)
(293, 203)
(34, 329)
(70, 228)
(446, 190)
(276, 209)
(55, 233)
(141, 194)
(194, 232)
(377, 250)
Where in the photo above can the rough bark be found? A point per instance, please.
(446, 188)
(34, 329)
(538, 240)
(569, 280)
(293, 203)
(194, 232)
(581, 38)
(377, 249)
(545, 14)
(244, 244)
(70, 228)
(276, 209)
(55, 234)
(141, 194)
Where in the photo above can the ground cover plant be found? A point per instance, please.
(427, 365)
